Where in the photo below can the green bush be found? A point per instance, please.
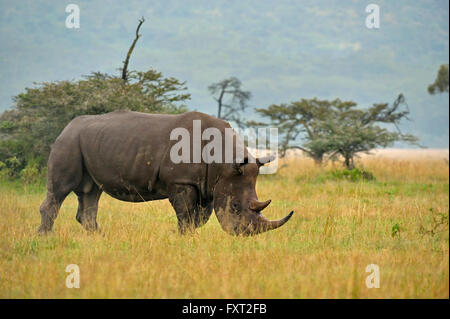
(31, 173)
(353, 175)
(10, 168)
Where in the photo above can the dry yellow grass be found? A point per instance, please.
(339, 227)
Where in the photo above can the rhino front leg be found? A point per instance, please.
(184, 199)
(203, 214)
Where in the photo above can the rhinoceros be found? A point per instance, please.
(127, 155)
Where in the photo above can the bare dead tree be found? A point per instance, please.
(127, 60)
(236, 103)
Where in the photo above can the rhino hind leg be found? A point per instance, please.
(56, 194)
(64, 173)
(49, 211)
(185, 201)
(88, 207)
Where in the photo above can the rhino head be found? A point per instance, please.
(235, 201)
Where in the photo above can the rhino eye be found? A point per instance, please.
(238, 169)
(235, 207)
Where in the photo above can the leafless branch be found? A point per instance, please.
(127, 60)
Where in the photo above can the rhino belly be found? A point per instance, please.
(133, 196)
(124, 178)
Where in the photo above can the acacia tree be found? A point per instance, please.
(40, 113)
(350, 130)
(231, 100)
(337, 128)
(298, 123)
(440, 85)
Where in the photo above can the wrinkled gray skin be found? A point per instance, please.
(127, 155)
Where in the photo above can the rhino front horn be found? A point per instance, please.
(259, 206)
(266, 225)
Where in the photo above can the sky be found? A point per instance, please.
(282, 50)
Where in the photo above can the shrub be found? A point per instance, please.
(31, 173)
(353, 175)
(10, 168)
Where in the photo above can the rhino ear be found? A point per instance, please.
(264, 160)
(242, 161)
(239, 163)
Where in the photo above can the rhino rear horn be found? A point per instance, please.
(264, 160)
(259, 206)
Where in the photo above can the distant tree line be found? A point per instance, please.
(325, 129)
(320, 128)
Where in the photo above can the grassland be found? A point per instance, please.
(398, 221)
